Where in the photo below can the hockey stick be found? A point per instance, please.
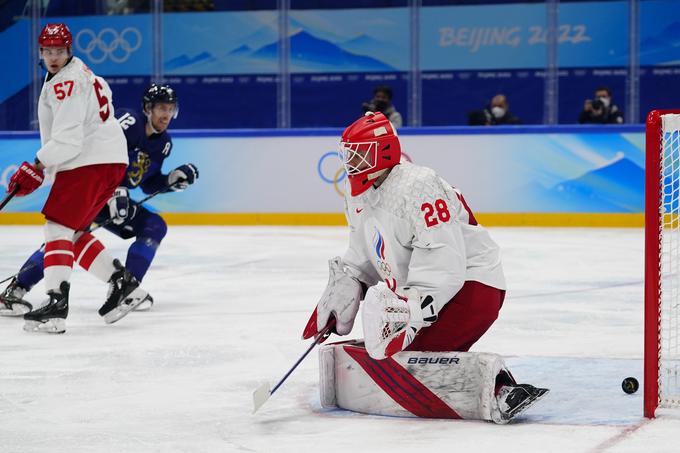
(263, 392)
(142, 201)
(89, 230)
(9, 196)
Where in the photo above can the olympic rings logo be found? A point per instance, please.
(335, 173)
(330, 173)
(108, 43)
(384, 268)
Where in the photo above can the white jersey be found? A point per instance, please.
(415, 230)
(77, 125)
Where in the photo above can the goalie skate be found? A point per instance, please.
(515, 399)
(12, 301)
(124, 295)
(50, 318)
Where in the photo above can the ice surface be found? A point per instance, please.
(231, 304)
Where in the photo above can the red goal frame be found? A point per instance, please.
(653, 221)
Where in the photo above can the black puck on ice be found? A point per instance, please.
(630, 385)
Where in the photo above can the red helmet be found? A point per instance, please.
(55, 35)
(368, 147)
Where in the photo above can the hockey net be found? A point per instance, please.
(662, 262)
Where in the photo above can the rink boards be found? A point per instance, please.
(534, 175)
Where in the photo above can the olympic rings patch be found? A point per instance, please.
(108, 43)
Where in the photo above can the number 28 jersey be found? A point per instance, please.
(416, 230)
(77, 124)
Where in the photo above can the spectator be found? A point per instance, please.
(382, 102)
(601, 110)
(496, 113)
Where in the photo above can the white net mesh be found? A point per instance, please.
(669, 324)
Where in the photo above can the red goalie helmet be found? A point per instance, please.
(55, 35)
(368, 147)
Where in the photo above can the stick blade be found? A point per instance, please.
(260, 396)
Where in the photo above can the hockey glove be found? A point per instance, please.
(340, 300)
(27, 178)
(119, 205)
(182, 177)
(391, 322)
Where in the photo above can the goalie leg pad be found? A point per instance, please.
(410, 383)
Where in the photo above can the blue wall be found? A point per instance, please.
(520, 169)
(225, 64)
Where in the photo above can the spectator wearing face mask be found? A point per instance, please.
(496, 113)
(382, 102)
(601, 109)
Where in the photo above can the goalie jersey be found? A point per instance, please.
(146, 154)
(77, 126)
(415, 230)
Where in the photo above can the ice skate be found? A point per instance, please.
(51, 318)
(12, 302)
(145, 305)
(124, 295)
(515, 399)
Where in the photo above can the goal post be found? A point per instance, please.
(662, 261)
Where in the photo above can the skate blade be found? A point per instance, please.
(54, 325)
(16, 309)
(145, 305)
(526, 404)
(132, 301)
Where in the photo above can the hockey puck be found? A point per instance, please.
(630, 385)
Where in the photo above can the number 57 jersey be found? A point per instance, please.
(77, 125)
(415, 230)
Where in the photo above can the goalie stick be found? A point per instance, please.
(264, 392)
(89, 230)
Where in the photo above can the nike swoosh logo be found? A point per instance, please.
(358, 210)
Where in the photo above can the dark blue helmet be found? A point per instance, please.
(159, 93)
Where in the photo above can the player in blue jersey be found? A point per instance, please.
(149, 144)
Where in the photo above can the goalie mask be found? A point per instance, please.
(368, 148)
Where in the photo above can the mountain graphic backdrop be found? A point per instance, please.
(311, 54)
(308, 53)
(663, 48)
(616, 187)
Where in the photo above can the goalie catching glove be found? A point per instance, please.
(340, 300)
(391, 322)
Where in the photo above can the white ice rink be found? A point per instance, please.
(231, 304)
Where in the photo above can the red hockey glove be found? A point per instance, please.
(27, 178)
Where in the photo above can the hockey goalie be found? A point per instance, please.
(429, 282)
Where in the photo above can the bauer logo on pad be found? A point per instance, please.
(433, 360)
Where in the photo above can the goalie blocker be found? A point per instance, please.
(457, 385)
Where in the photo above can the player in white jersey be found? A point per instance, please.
(84, 150)
(429, 277)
